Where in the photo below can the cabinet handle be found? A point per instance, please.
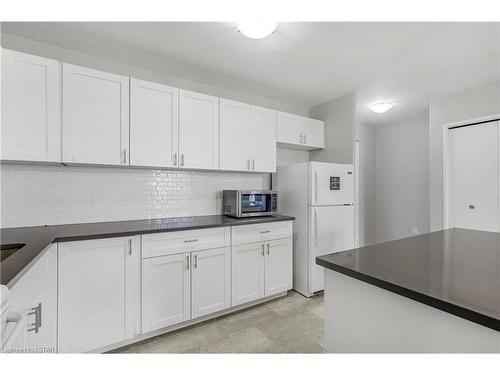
(175, 158)
(262, 252)
(248, 163)
(265, 231)
(129, 246)
(182, 160)
(193, 240)
(253, 163)
(300, 139)
(196, 262)
(305, 138)
(37, 312)
(124, 156)
(187, 262)
(268, 251)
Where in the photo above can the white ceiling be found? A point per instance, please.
(303, 64)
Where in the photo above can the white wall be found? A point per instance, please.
(476, 102)
(402, 179)
(42, 194)
(339, 115)
(367, 214)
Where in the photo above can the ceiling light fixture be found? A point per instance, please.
(381, 107)
(256, 29)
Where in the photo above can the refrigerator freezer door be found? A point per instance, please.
(331, 230)
(331, 184)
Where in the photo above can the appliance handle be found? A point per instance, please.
(315, 227)
(315, 187)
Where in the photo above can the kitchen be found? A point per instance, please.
(151, 204)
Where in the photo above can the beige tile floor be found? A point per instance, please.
(291, 324)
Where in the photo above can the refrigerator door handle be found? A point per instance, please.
(315, 187)
(315, 227)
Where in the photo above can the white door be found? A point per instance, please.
(234, 132)
(165, 291)
(263, 139)
(313, 132)
(288, 128)
(154, 124)
(95, 116)
(331, 229)
(474, 177)
(198, 130)
(278, 266)
(211, 281)
(331, 183)
(35, 296)
(247, 273)
(31, 107)
(97, 282)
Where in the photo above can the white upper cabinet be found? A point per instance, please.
(263, 139)
(234, 132)
(154, 124)
(198, 130)
(313, 133)
(247, 137)
(300, 133)
(31, 108)
(288, 128)
(95, 116)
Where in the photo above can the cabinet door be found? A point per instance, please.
(97, 293)
(31, 107)
(198, 130)
(165, 291)
(247, 279)
(211, 283)
(278, 266)
(234, 131)
(95, 116)
(288, 128)
(35, 296)
(263, 139)
(313, 132)
(154, 124)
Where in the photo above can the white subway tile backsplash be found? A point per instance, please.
(56, 194)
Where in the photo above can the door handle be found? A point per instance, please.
(253, 163)
(300, 138)
(315, 227)
(315, 187)
(129, 246)
(248, 163)
(124, 156)
(175, 158)
(305, 138)
(37, 312)
(262, 252)
(195, 262)
(187, 262)
(268, 250)
(182, 160)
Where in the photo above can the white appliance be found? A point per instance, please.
(321, 198)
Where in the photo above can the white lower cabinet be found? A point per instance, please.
(211, 281)
(35, 296)
(261, 269)
(166, 291)
(98, 289)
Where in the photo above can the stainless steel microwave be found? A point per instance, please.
(250, 203)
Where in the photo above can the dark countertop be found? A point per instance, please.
(37, 239)
(454, 270)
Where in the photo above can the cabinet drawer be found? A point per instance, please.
(159, 244)
(261, 232)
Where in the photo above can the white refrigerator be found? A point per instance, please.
(321, 198)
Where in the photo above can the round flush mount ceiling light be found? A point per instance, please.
(256, 29)
(381, 107)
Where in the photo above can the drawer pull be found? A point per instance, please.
(265, 231)
(193, 240)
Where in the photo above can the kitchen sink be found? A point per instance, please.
(8, 249)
